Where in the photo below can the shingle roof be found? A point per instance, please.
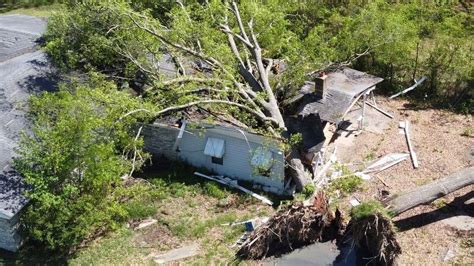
(21, 71)
(342, 87)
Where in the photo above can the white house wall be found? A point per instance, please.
(236, 160)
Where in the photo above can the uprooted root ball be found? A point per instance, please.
(292, 227)
(375, 235)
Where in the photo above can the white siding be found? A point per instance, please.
(236, 160)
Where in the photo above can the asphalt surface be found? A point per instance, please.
(24, 70)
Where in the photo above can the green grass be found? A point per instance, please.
(368, 208)
(346, 184)
(40, 11)
(189, 209)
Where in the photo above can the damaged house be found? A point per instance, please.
(231, 151)
(223, 149)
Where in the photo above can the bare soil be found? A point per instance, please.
(443, 148)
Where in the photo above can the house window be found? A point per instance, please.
(216, 160)
(215, 148)
(262, 161)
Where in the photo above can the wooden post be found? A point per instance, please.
(410, 146)
(364, 99)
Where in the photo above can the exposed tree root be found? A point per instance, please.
(375, 236)
(292, 227)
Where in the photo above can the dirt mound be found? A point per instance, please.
(292, 227)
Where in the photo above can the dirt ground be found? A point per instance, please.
(440, 141)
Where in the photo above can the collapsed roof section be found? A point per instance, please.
(332, 97)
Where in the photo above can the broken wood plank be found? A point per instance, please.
(430, 192)
(386, 162)
(146, 223)
(235, 185)
(380, 110)
(414, 159)
(409, 88)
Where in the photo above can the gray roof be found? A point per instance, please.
(350, 81)
(342, 88)
(12, 199)
(23, 71)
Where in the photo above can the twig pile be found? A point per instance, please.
(375, 235)
(292, 227)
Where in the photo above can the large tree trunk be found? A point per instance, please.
(296, 171)
(431, 192)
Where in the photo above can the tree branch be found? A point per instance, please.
(258, 114)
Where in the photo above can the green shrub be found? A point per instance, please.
(79, 147)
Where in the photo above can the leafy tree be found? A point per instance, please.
(82, 141)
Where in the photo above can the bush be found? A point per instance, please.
(73, 159)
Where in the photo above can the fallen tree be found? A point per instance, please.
(371, 228)
(430, 192)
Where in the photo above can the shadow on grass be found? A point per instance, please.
(454, 208)
(32, 255)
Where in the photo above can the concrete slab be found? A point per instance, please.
(461, 222)
(177, 254)
(374, 121)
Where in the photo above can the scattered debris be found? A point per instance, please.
(292, 227)
(354, 202)
(250, 224)
(417, 83)
(386, 162)
(177, 254)
(449, 255)
(362, 175)
(320, 178)
(145, 223)
(233, 183)
(378, 109)
(242, 239)
(405, 125)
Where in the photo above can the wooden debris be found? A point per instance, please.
(145, 223)
(380, 110)
(234, 184)
(414, 159)
(417, 83)
(386, 162)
